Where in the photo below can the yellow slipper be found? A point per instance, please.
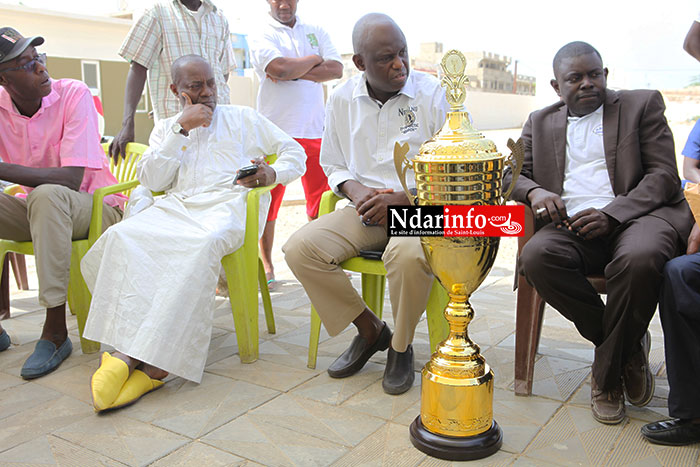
(138, 385)
(107, 381)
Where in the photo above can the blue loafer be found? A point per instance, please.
(45, 359)
(4, 340)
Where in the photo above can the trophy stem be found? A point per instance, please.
(456, 420)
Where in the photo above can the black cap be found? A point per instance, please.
(12, 44)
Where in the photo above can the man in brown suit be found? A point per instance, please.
(600, 175)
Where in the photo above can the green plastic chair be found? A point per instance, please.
(78, 293)
(242, 267)
(373, 283)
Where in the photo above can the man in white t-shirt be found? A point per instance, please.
(292, 59)
(387, 103)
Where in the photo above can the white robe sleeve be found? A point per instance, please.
(267, 138)
(157, 170)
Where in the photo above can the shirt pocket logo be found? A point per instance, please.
(408, 114)
(598, 130)
(313, 41)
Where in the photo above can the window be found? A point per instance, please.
(91, 76)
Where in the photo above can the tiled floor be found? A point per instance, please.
(278, 412)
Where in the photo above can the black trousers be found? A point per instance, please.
(556, 262)
(680, 318)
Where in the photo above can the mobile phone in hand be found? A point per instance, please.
(246, 171)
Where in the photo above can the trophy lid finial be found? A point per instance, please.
(453, 65)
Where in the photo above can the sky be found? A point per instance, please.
(641, 42)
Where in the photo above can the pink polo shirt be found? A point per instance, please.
(62, 133)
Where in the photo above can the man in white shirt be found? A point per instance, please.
(292, 58)
(364, 118)
(153, 276)
(600, 175)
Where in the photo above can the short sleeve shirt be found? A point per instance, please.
(62, 133)
(692, 146)
(294, 106)
(166, 32)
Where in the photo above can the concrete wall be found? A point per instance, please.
(71, 38)
(492, 111)
(113, 78)
(244, 90)
(69, 35)
(112, 83)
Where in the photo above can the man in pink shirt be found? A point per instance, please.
(50, 144)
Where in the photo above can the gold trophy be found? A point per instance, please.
(458, 166)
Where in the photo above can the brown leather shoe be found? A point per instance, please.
(608, 407)
(638, 379)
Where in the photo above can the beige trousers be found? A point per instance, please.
(315, 251)
(51, 217)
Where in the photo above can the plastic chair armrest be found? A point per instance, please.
(252, 209)
(328, 202)
(97, 204)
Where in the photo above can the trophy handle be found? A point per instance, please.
(515, 162)
(402, 164)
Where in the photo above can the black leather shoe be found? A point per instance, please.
(672, 432)
(354, 358)
(399, 374)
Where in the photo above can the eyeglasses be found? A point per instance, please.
(30, 66)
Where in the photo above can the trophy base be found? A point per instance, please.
(453, 448)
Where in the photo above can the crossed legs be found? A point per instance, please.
(556, 262)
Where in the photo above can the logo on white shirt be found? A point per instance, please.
(313, 41)
(598, 130)
(409, 119)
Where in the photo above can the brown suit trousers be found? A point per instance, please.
(654, 223)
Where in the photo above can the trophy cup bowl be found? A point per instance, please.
(458, 166)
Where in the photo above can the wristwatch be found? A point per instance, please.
(177, 128)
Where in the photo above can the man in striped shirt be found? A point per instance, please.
(166, 31)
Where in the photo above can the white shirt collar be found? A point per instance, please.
(277, 25)
(408, 89)
(597, 113)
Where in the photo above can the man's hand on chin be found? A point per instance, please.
(194, 115)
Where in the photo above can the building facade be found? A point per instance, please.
(487, 72)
